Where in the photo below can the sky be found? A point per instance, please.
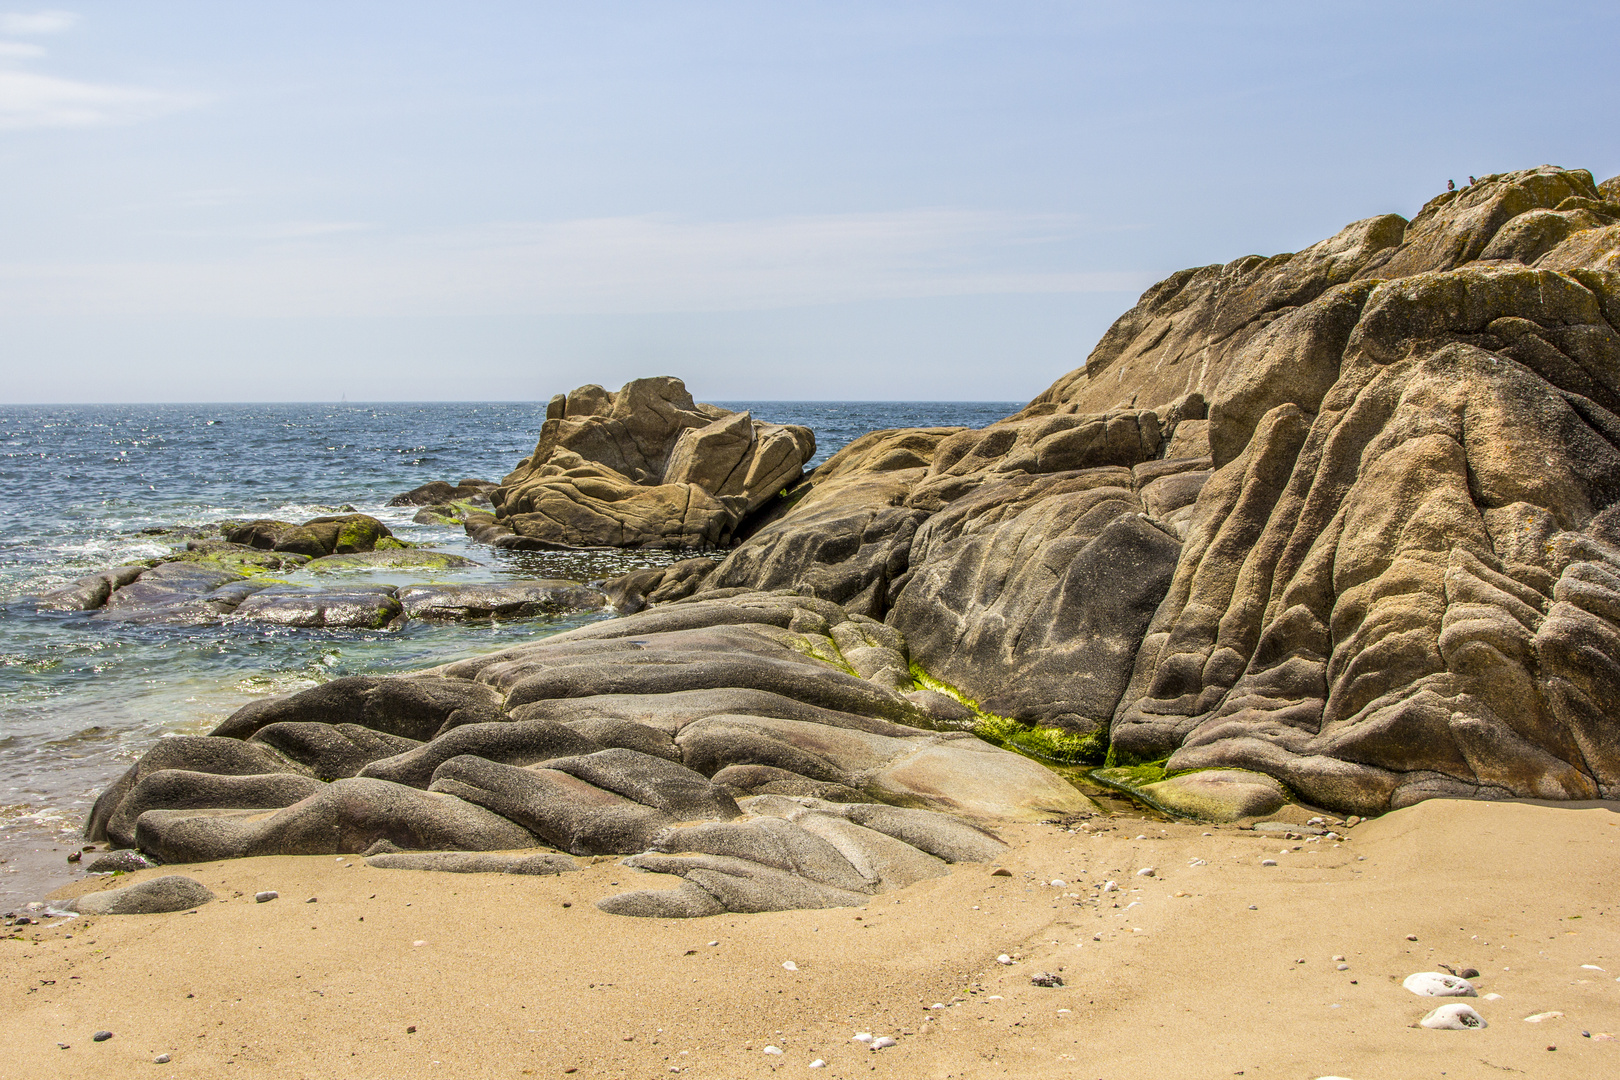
(774, 201)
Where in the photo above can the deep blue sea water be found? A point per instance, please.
(80, 699)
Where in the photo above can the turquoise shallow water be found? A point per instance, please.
(81, 698)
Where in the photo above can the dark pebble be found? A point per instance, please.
(265, 897)
(101, 1036)
(1045, 978)
(1468, 973)
(74, 856)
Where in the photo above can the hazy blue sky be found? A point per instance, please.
(389, 200)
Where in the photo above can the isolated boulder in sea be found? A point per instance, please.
(332, 535)
(436, 492)
(644, 467)
(484, 600)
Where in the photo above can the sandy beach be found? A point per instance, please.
(1223, 967)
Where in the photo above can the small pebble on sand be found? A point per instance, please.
(417, 944)
(265, 897)
(1438, 984)
(882, 1041)
(161, 1059)
(861, 1037)
(1268, 862)
(773, 1050)
(788, 965)
(818, 1064)
(1146, 871)
(101, 1036)
(1003, 959)
(1411, 937)
(1059, 883)
(1457, 1017)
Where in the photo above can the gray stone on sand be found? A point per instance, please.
(181, 789)
(475, 862)
(772, 842)
(686, 901)
(171, 893)
(1438, 984)
(344, 817)
(743, 886)
(114, 862)
(1457, 1017)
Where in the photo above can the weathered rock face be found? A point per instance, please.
(1399, 583)
(645, 467)
(1362, 542)
(1031, 595)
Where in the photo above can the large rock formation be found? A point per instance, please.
(646, 467)
(1343, 517)
(1347, 519)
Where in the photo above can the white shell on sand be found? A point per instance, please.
(1539, 1017)
(1458, 1017)
(773, 1050)
(881, 1042)
(788, 965)
(1439, 984)
(861, 1037)
(818, 1064)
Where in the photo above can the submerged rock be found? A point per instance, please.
(484, 600)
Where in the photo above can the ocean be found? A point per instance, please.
(81, 699)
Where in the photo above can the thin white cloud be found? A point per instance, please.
(28, 100)
(20, 50)
(37, 22)
(602, 265)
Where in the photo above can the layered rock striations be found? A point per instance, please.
(1341, 516)
(1348, 518)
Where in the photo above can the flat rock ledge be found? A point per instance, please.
(727, 742)
(229, 573)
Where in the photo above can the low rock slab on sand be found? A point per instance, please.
(172, 892)
(616, 739)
